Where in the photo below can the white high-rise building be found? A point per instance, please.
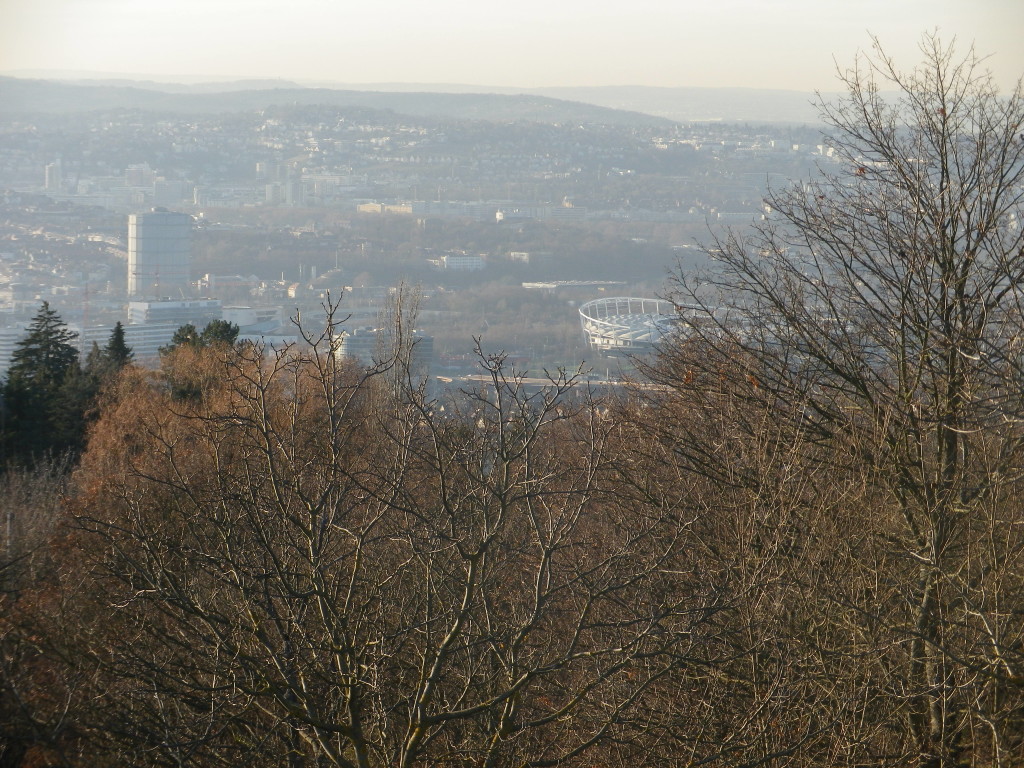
(159, 250)
(54, 177)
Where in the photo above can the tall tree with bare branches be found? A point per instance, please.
(314, 564)
(872, 325)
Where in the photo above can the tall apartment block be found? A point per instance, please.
(54, 177)
(159, 250)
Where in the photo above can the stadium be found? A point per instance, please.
(626, 324)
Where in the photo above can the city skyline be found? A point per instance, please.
(787, 44)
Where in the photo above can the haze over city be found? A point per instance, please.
(789, 44)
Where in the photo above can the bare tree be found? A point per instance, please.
(305, 565)
(872, 325)
(37, 689)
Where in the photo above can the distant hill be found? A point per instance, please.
(226, 86)
(25, 96)
(689, 104)
(676, 104)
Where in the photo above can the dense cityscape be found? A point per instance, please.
(289, 203)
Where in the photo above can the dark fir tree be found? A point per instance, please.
(102, 363)
(219, 332)
(41, 365)
(215, 332)
(186, 335)
(117, 354)
(77, 397)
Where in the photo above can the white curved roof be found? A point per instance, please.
(626, 321)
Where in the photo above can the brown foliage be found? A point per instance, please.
(308, 561)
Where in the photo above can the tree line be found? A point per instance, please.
(48, 392)
(50, 396)
(797, 543)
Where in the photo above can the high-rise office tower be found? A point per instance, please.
(54, 177)
(159, 249)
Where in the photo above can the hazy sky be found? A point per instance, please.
(522, 43)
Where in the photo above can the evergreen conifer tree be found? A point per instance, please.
(219, 332)
(103, 363)
(41, 365)
(215, 332)
(117, 353)
(185, 335)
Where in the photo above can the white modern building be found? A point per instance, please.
(198, 312)
(9, 338)
(144, 341)
(459, 262)
(54, 180)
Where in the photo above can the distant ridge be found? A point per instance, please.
(693, 104)
(220, 86)
(609, 104)
(22, 96)
(679, 104)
